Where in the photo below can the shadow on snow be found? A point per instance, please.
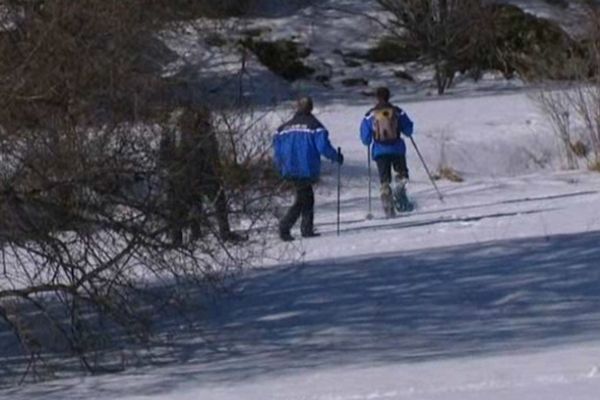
(508, 296)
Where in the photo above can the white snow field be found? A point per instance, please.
(493, 294)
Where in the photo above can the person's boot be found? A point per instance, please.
(233, 237)
(310, 234)
(401, 201)
(307, 227)
(401, 182)
(286, 236)
(387, 201)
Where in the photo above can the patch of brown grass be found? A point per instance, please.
(449, 174)
(595, 166)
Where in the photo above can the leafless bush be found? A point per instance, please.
(580, 101)
(88, 206)
(444, 32)
(557, 106)
(472, 36)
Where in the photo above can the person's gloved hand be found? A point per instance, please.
(340, 159)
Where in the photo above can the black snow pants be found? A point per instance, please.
(304, 205)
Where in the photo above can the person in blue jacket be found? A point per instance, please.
(383, 125)
(298, 145)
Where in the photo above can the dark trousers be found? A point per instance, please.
(215, 194)
(186, 208)
(386, 163)
(304, 205)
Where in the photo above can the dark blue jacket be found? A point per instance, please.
(405, 126)
(299, 145)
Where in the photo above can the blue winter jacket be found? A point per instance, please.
(398, 147)
(298, 146)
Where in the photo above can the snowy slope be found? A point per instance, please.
(493, 294)
(338, 34)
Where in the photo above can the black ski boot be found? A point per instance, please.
(310, 234)
(286, 237)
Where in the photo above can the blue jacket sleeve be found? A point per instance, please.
(324, 145)
(406, 125)
(366, 133)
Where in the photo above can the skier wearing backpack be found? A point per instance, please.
(383, 126)
(298, 145)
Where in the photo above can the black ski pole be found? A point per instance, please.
(427, 169)
(370, 213)
(339, 184)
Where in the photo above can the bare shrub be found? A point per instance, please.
(580, 149)
(580, 101)
(473, 36)
(88, 206)
(557, 106)
(443, 32)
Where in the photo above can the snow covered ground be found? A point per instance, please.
(493, 294)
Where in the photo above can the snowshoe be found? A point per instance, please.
(401, 202)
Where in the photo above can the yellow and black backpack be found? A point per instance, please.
(385, 125)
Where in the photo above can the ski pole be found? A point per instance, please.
(427, 169)
(370, 213)
(339, 173)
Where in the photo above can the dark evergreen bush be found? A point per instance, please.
(283, 57)
(534, 47)
(393, 50)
